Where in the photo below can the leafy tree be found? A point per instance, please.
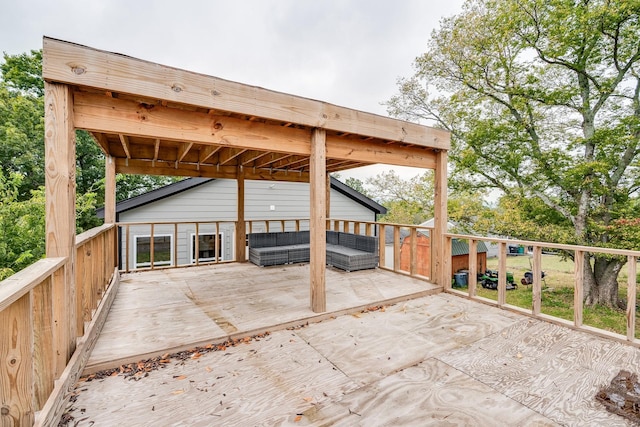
(543, 101)
(407, 201)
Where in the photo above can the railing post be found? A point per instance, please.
(502, 274)
(631, 297)
(578, 288)
(472, 279)
(382, 244)
(413, 263)
(536, 297)
(396, 248)
(445, 263)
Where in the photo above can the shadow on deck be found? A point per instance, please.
(175, 309)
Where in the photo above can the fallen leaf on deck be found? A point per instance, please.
(179, 378)
(177, 392)
(519, 355)
(307, 399)
(297, 418)
(208, 369)
(356, 315)
(196, 355)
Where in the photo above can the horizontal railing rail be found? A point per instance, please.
(578, 252)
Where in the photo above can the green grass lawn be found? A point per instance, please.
(557, 293)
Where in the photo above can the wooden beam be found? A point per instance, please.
(60, 212)
(440, 219)
(317, 221)
(97, 113)
(124, 140)
(83, 66)
(241, 228)
(110, 190)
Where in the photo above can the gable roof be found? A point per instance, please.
(189, 183)
(459, 247)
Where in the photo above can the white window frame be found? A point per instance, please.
(155, 263)
(220, 249)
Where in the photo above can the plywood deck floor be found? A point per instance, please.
(434, 360)
(168, 310)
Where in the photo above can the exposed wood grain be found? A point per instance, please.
(396, 248)
(60, 210)
(381, 244)
(124, 140)
(440, 258)
(21, 283)
(43, 350)
(413, 263)
(317, 221)
(53, 409)
(241, 227)
(109, 190)
(162, 309)
(16, 364)
(473, 267)
(578, 289)
(536, 297)
(63, 61)
(632, 265)
(502, 273)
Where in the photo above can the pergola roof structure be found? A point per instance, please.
(158, 120)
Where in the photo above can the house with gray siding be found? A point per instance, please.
(213, 204)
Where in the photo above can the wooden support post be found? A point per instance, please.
(60, 212)
(317, 221)
(536, 270)
(241, 228)
(472, 280)
(109, 190)
(438, 261)
(631, 297)
(578, 290)
(502, 274)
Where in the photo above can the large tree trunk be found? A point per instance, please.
(601, 280)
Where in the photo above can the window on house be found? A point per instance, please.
(162, 250)
(209, 248)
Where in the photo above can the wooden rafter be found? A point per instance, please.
(227, 155)
(156, 149)
(183, 149)
(267, 160)
(207, 151)
(250, 156)
(290, 162)
(124, 140)
(101, 140)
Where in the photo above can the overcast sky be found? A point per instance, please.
(346, 52)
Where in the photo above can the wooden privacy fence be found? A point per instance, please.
(40, 357)
(579, 253)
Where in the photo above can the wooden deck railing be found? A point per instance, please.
(40, 357)
(408, 255)
(578, 252)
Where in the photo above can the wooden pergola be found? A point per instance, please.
(157, 120)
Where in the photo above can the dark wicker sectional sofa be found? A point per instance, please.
(346, 251)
